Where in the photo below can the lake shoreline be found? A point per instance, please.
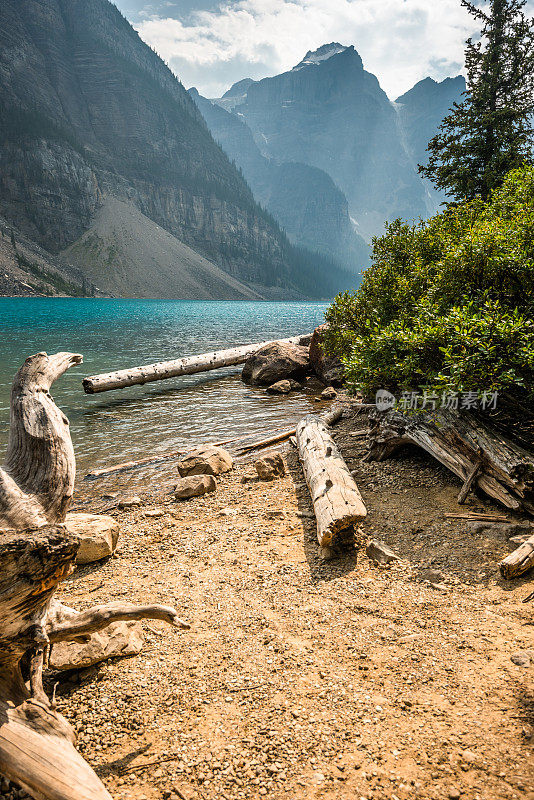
(299, 675)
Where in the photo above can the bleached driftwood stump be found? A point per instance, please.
(36, 553)
(337, 501)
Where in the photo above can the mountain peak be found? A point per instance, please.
(323, 53)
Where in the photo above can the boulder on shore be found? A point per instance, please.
(205, 460)
(98, 535)
(276, 361)
(194, 486)
(329, 369)
(271, 466)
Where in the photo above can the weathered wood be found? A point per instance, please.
(337, 502)
(37, 480)
(459, 442)
(189, 365)
(330, 418)
(518, 562)
(469, 481)
(36, 743)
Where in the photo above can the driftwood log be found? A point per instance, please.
(482, 457)
(337, 502)
(189, 365)
(518, 562)
(36, 553)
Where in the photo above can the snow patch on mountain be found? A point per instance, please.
(321, 54)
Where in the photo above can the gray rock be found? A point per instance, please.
(380, 552)
(280, 387)
(205, 460)
(523, 658)
(274, 362)
(194, 486)
(432, 575)
(502, 530)
(129, 502)
(118, 639)
(98, 534)
(271, 466)
(329, 369)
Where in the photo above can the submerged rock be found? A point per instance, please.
(205, 460)
(280, 387)
(98, 535)
(194, 486)
(276, 361)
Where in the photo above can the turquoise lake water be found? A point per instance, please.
(114, 334)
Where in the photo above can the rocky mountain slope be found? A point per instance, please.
(27, 270)
(329, 113)
(126, 253)
(421, 111)
(303, 199)
(89, 112)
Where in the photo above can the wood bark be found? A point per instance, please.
(173, 369)
(36, 743)
(337, 502)
(459, 442)
(37, 480)
(518, 562)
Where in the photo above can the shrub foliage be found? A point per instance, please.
(448, 304)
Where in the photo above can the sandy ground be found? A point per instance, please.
(308, 679)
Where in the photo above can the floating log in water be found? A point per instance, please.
(460, 442)
(189, 365)
(36, 553)
(337, 501)
(518, 562)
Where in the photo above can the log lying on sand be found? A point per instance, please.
(189, 365)
(337, 502)
(36, 553)
(460, 442)
(518, 562)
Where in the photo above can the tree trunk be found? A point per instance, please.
(36, 743)
(337, 502)
(173, 369)
(459, 442)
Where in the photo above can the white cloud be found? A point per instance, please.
(401, 41)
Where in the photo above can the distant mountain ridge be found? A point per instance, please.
(88, 112)
(304, 200)
(330, 114)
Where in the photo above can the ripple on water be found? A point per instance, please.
(114, 334)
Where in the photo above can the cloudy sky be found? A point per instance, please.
(211, 45)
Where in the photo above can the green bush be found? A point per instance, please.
(448, 304)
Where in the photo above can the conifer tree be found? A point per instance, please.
(490, 132)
